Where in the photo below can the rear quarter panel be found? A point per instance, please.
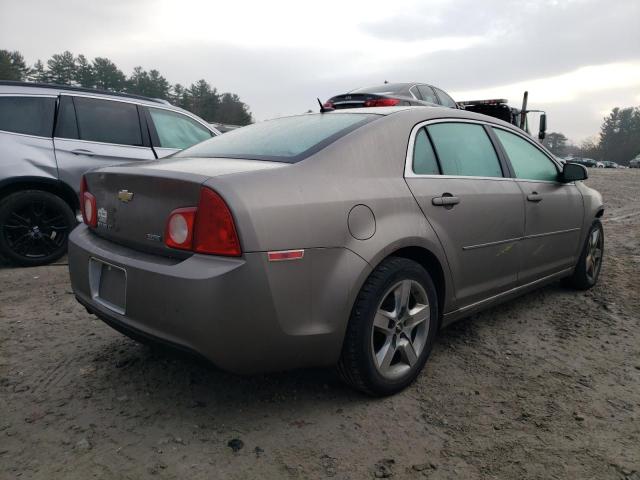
(307, 205)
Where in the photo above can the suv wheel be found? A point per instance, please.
(391, 330)
(34, 227)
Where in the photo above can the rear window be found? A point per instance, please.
(288, 139)
(387, 88)
(27, 115)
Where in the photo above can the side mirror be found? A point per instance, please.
(573, 172)
(543, 126)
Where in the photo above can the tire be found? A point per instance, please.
(385, 358)
(34, 227)
(586, 274)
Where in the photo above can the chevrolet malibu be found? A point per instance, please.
(341, 239)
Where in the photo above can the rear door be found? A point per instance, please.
(26, 127)
(553, 213)
(462, 186)
(95, 132)
(173, 131)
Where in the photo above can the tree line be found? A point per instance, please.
(619, 139)
(67, 69)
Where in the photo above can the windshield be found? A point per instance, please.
(288, 139)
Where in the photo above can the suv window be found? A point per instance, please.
(427, 94)
(528, 162)
(108, 121)
(445, 99)
(464, 149)
(66, 126)
(28, 115)
(176, 130)
(424, 159)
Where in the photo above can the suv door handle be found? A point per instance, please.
(534, 197)
(82, 151)
(446, 200)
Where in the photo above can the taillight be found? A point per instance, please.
(179, 230)
(328, 104)
(215, 231)
(87, 205)
(208, 228)
(382, 102)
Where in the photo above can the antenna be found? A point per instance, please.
(324, 109)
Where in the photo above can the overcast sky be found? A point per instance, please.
(577, 58)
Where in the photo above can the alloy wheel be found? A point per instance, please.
(594, 255)
(35, 230)
(400, 328)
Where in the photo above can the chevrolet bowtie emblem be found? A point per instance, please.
(125, 195)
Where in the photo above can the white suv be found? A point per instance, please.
(50, 135)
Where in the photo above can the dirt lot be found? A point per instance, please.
(547, 386)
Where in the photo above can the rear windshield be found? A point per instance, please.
(387, 88)
(288, 139)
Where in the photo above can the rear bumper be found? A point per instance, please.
(245, 315)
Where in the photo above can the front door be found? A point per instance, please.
(477, 213)
(92, 133)
(554, 210)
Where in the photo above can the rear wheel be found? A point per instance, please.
(34, 227)
(391, 330)
(589, 264)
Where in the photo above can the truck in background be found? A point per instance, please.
(499, 108)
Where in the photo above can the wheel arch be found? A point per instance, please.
(56, 187)
(430, 262)
(426, 257)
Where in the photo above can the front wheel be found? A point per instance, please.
(34, 227)
(391, 330)
(589, 264)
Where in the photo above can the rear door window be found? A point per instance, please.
(464, 149)
(176, 130)
(66, 126)
(424, 158)
(528, 161)
(108, 121)
(445, 99)
(27, 115)
(427, 94)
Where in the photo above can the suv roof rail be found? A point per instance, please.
(80, 89)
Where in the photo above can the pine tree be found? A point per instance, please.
(107, 75)
(38, 73)
(62, 68)
(12, 66)
(84, 75)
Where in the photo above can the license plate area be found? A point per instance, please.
(108, 284)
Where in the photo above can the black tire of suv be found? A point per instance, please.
(356, 366)
(54, 207)
(580, 279)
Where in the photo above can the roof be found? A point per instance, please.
(58, 88)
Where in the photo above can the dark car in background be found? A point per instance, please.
(50, 135)
(392, 95)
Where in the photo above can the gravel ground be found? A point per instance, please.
(546, 386)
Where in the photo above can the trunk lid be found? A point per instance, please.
(134, 201)
(352, 100)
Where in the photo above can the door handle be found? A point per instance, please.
(534, 197)
(446, 200)
(82, 151)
